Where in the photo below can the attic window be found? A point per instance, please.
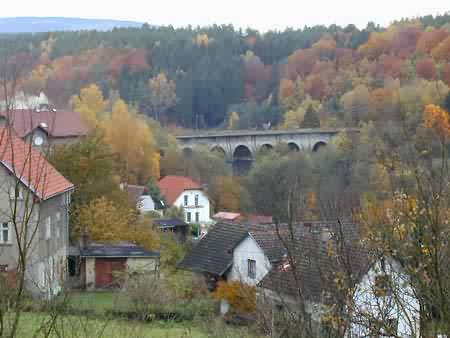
(382, 285)
(251, 268)
(15, 193)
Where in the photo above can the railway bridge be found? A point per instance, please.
(240, 147)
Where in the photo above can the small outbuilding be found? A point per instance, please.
(108, 266)
(175, 225)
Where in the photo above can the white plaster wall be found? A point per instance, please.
(203, 207)
(248, 249)
(145, 204)
(404, 306)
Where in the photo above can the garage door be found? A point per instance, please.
(106, 270)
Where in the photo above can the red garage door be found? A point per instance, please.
(106, 270)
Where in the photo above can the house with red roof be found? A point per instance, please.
(182, 191)
(45, 125)
(34, 214)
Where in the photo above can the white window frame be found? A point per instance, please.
(186, 200)
(5, 226)
(196, 200)
(188, 217)
(48, 228)
(197, 217)
(12, 193)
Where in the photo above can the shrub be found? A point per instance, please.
(240, 296)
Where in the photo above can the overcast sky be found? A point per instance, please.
(261, 14)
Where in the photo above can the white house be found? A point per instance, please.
(184, 192)
(255, 255)
(139, 195)
(231, 251)
(236, 252)
(384, 301)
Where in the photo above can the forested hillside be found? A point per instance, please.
(198, 77)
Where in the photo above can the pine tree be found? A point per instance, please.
(447, 103)
(311, 120)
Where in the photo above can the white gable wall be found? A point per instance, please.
(145, 204)
(404, 307)
(203, 207)
(248, 249)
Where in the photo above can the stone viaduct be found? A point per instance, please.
(241, 146)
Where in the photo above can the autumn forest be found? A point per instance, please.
(346, 75)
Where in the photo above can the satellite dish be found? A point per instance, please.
(38, 141)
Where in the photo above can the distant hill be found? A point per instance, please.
(47, 24)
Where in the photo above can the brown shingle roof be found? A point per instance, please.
(171, 187)
(214, 252)
(59, 123)
(310, 268)
(30, 166)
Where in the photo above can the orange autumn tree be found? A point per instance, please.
(240, 296)
(437, 118)
(228, 191)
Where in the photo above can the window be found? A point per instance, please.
(196, 200)
(186, 199)
(3, 268)
(382, 285)
(197, 217)
(5, 237)
(251, 266)
(188, 217)
(48, 228)
(15, 193)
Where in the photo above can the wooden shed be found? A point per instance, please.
(107, 266)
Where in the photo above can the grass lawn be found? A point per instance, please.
(94, 323)
(99, 301)
(81, 327)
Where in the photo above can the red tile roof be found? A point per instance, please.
(30, 166)
(172, 186)
(259, 219)
(59, 123)
(227, 216)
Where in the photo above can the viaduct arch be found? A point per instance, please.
(240, 147)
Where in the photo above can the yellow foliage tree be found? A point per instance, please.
(294, 118)
(233, 121)
(103, 221)
(89, 104)
(132, 141)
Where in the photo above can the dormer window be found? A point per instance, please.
(15, 193)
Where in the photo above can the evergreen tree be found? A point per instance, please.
(311, 120)
(447, 103)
